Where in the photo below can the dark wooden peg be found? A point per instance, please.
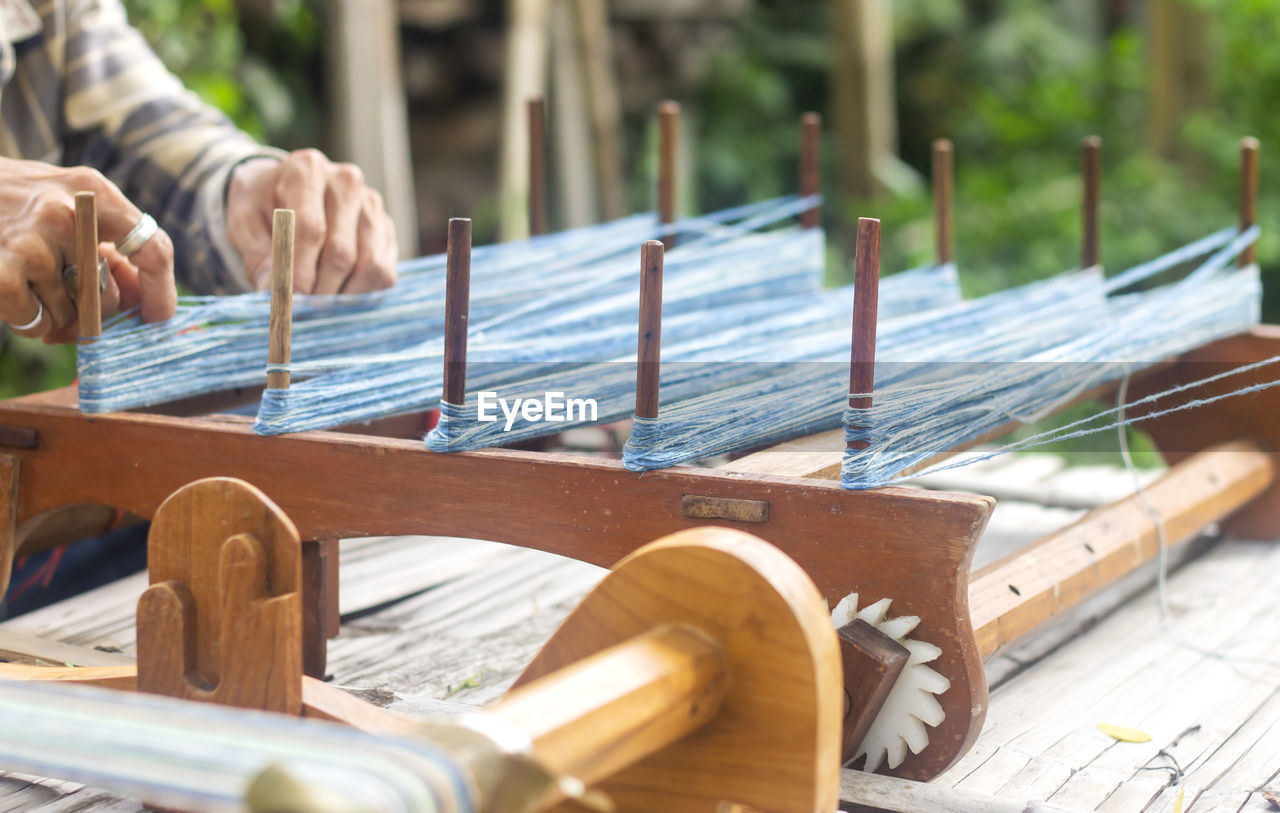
(537, 109)
(457, 306)
(649, 351)
(810, 166)
(1091, 171)
(943, 201)
(866, 294)
(872, 662)
(668, 141)
(1248, 193)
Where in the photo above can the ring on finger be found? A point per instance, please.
(34, 322)
(138, 235)
(71, 278)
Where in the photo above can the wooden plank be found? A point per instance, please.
(1012, 596)
(16, 647)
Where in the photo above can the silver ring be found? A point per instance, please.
(71, 282)
(31, 325)
(138, 236)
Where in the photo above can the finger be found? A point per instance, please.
(36, 258)
(154, 260)
(18, 303)
(344, 206)
(300, 186)
(370, 273)
(255, 248)
(123, 289)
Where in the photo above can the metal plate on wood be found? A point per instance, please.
(694, 506)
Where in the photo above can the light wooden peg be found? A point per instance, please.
(1091, 171)
(649, 351)
(866, 295)
(88, 293)
(668, 140)
(457, 308)
(281, 325)
(1248, 194)
(943, 201)
(811, 166)
(537, 110)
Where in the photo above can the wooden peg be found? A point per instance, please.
(281, 325)
(649, 352)
(88, 293)
(457, 307)
(222, 619)
(811, 166)
(943, 202)
(537, 109)
(1248, 194)
(668, 140)
(1091, 170)
(872, 662)
(866, 295)
(320, 617)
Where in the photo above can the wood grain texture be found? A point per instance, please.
(1181, 434)
(866, 298)
(1014, 595)
(696, 506)
(1091, 173)
(811, 166)
(88, 294)
(222, 619)
(774, 745)
(536, 109)
(315, 609)
(590, 509)
(649, 348)
(943, 203)
(613, 708)
(457, 309)
(1248, 194)
(280, 337)
(872, 662)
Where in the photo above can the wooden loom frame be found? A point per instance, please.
(912, 546)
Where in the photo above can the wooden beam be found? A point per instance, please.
(1014, 595)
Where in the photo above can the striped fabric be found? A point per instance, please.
(200, 757)
(79, 85)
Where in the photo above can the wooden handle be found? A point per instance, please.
(457, 307)
(1091, 170)
(595, 717)
(1248, 193)
(537, 108)
(810, 166)
(668, 138)
(281, 329)
(649, 351)
(88, 293)
(866, 295)
(942, 201)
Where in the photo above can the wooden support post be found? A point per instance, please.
(811, 166)
(537, 109)
(872, 662)
(668, 141)
(943, 202)
(88, 295)
(649, 351)
(315, 608)
(866, 295)
(281, 325)
(457, 308)
(1091, 171)
(1248, 194)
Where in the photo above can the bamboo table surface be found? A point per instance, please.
(432, 626)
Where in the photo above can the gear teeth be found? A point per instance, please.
(914, 734)
(895, 751)
(874, 614)
(932, 682)
(846, 610)
(898, 628)
(921, 651)
(930, 711)
(873, 760)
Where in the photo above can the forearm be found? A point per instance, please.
(168, 151)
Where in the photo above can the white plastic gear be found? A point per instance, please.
(911, 706)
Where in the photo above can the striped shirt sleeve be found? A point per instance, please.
(123, 113)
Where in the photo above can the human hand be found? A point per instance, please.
(38, 239)
(344, 240)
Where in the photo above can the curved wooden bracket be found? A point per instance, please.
(222, 619)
